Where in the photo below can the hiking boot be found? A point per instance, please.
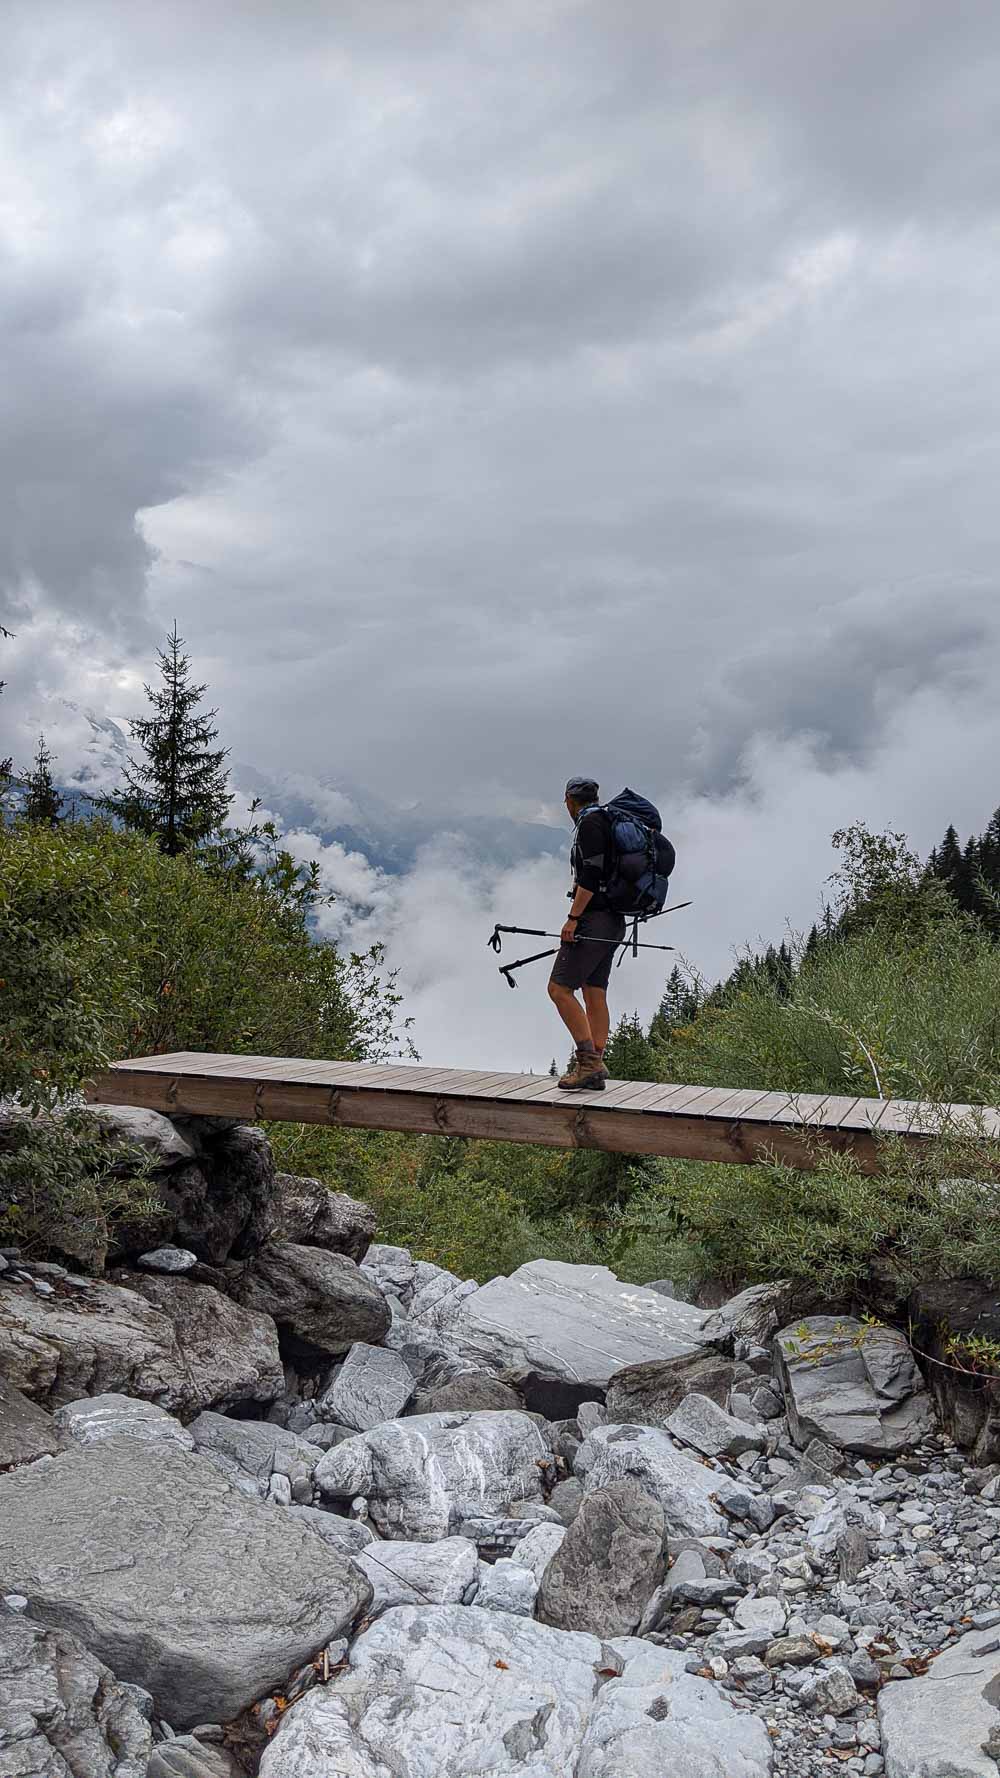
(587, 1074)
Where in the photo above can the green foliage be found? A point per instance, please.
(877, 1011)
(177, 790)
(109, 947)
(65, 1186)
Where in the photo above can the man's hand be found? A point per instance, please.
(568, 934)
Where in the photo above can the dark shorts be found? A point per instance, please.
(588, 965)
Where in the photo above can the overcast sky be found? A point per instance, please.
(495, 391)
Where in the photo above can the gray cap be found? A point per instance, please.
(581, 789)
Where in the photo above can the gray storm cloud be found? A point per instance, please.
(480, 384)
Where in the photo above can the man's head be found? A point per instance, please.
(580, 792)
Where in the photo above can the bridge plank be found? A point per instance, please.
(733, 1125)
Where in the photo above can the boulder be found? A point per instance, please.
(960, 1309)
(230, 1353)
(750, 1319)
(422, 1351)
(61, 1712)
(320, 1301)
(217, 1204)
(563, 1330)
(700, 1422)
(446, 1691)
(607, 1565)
(168, 1259)
(648, 1393)
(393, 1269)
(250, 1452)
(536, 1550)
(106, 1339)
(436, 1293)
(26, 1431)
(163, 1144)
(308, 1213)
(853, 1386)
(187, 1757)
(473, 1392)
(686, 1491)
(97, 1417)
(179, 1583)
(419, 1573)
(372, 1385)
(936, 1726)
(346, 1535)
(424, 1476)
(506, 1585)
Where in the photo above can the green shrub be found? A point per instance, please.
(108, 948)
(65, 1186)
(878, 1013)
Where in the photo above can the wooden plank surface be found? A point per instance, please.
(734, 1125)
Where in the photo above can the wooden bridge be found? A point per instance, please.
(629, 1117)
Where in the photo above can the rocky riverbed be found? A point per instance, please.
(277, 1498)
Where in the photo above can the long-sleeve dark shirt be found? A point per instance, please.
(589, 857)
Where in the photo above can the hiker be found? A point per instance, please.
(578, 965)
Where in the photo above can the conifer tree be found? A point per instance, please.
(178, 790)
(42, 801)
(553, 1070)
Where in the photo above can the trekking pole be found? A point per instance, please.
(506, 969)
(634, 943)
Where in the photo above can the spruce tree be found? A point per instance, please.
(178, 791)
(42, 801)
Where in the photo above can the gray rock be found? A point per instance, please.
(935, 1726)
(119, 1416)
(496, 1537)
(761, 1614)
(647, 1394)
(536, 1550)
(566, 1499)
(251, 1452)
(685, 1489)
(447, 1691)
(61, 1712)
(393, 1269)
(308, 1213)
(163, 1143)
(700, 1422)
(168, 1259)
(110, 1340)
(419, 1573)
(436, 1293)
(320, 1301)
(219, 1205)
(831, 1692)
(182, 1585)
(855, 1387)
(607, 1565)
(751, 1318)
(506, 1585)
(346, 1535)
(187, 1757)
(424, 1476)
(230, 1353)
(565, 1330)
(26, 1431)
(372, 1385)
(472, 1392)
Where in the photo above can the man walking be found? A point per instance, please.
(579, 965)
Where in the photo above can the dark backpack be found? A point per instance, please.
(641, 857)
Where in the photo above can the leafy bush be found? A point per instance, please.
(65, 1185)
(108, 948)
(879, 1013)
(932, 1211)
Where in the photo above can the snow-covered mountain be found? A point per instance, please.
(91, 751)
